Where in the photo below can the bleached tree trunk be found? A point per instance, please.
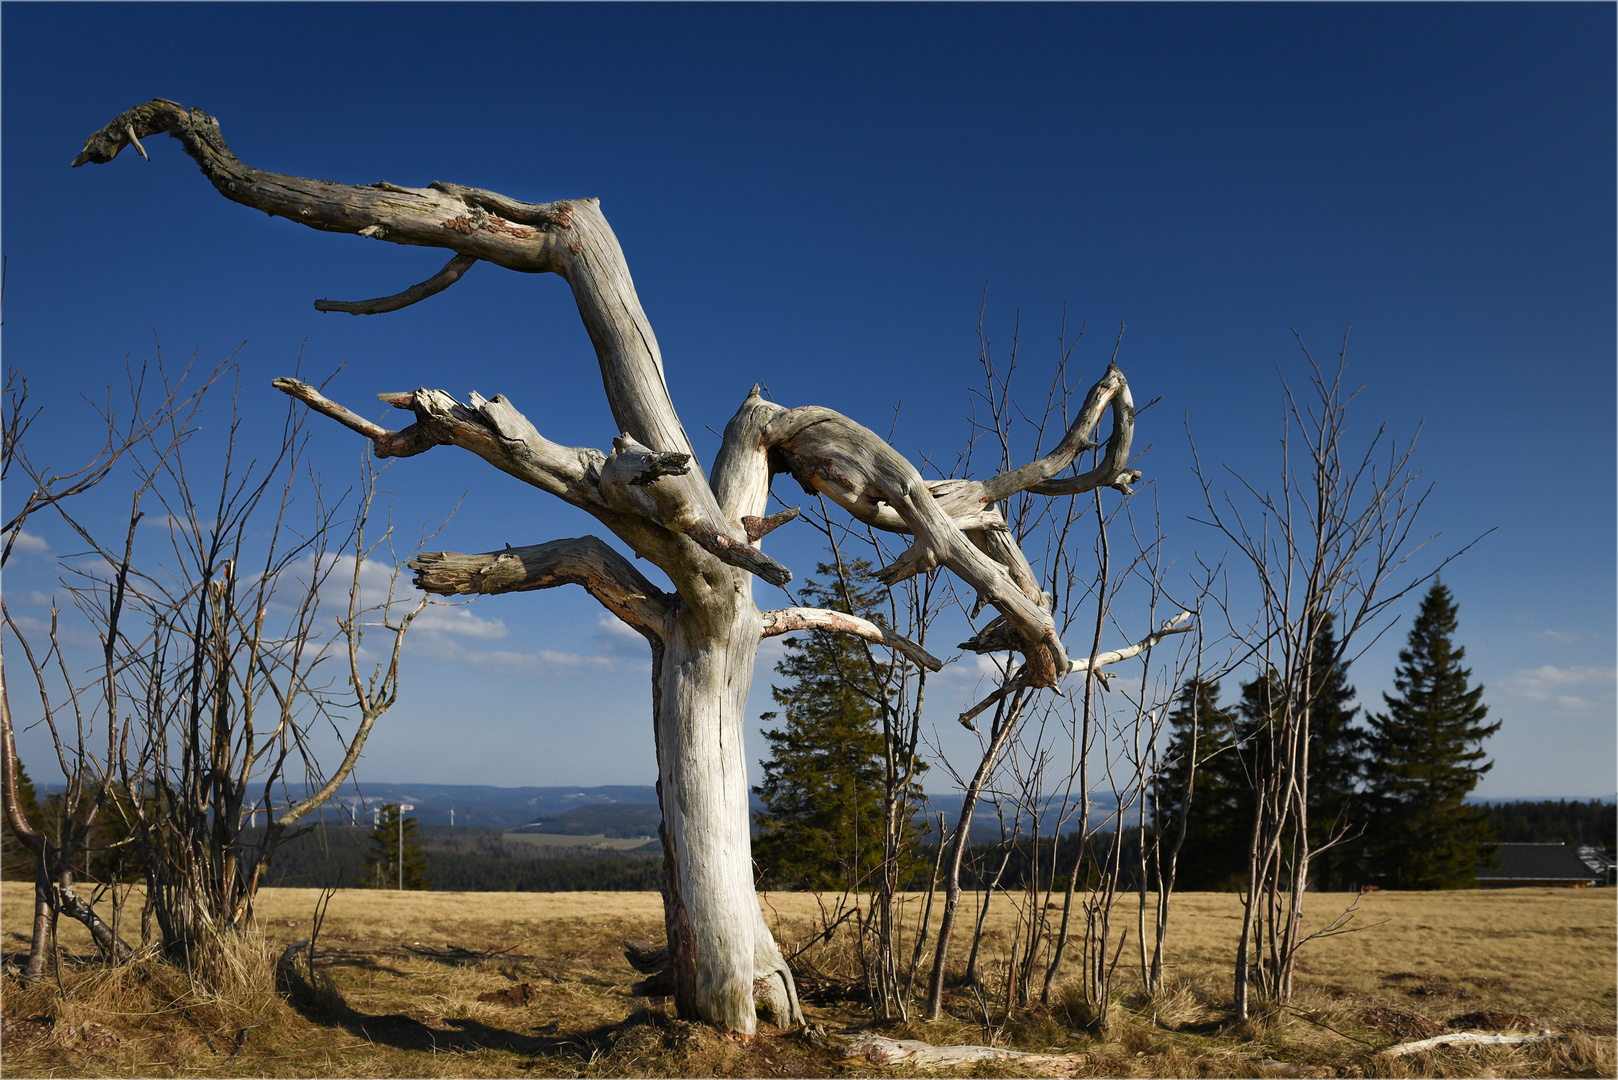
(701, 531)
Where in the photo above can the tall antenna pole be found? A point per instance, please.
(402, 808)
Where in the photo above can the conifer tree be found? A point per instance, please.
(381, 870)
(823, 782)
(1337, 749)
(1214, 853)
(17, 860)
(1425, 758)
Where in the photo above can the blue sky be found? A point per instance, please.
(816, 198)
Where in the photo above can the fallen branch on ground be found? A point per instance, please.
(881, 1050)
(1468, 1038)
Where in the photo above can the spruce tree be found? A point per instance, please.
(1214, 854)
(1425, 758)
(381, 870)
(16, 858)
(1337, 748)
(823, 783)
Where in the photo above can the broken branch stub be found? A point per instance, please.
(636, 479)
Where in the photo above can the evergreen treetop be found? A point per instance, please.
(1205, 735)
(1337, 749)
(824, 780)
(1426, 757)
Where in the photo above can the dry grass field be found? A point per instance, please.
(535, 984)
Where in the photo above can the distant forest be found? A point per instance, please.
(483, 859)
(1573, 823)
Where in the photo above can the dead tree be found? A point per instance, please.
(88, 777)
(1330, 547)
(207, 684)
(700, 528)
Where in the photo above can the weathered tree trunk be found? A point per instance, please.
(701, 699)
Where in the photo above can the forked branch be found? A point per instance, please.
(1040, 476)
(991, 640)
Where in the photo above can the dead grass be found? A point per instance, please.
(533, 984)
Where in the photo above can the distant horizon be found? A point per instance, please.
(587, 788)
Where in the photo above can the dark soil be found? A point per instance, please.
(519, 994)
(1493, 1021)
(1397, 1022)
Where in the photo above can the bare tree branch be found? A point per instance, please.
(586, 561)
(445, 216)
(434, 285)
(1039, 476)
(786, 620)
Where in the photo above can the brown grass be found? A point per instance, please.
(534, 984)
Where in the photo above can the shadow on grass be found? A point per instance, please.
(321, 1003)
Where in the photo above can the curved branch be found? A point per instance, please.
(434, 285)
(1170, 627)
(427, 217)
(786, 620)
(585, 560)
(851, 465)
(1038, 476)
(570, 238)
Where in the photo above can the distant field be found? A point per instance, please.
(600, 840)
(540, 988)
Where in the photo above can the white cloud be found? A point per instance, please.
(458, 620)
(612, 626)
(1572, 689)
(29, 544)
(1557, 635)
(171, 523)
(538, 663)
(29, 625)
